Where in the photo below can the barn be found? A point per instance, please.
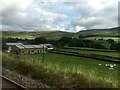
(20, 48)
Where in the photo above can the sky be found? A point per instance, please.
(63, 15)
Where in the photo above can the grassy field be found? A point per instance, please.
(21, 36)
(89, 51)
(105, 38)
(64, 71)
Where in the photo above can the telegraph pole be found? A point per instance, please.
(43, 54)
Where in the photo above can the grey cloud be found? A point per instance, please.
(105, 18)
(34, 16)
(88, 22)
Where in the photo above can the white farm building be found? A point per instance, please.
(19, 48)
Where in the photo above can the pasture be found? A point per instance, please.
(70, 71)
(103, 37)
(92, 51)
(21, 36)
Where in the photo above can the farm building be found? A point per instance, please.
(19, 48)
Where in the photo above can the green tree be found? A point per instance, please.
(40, 40)
(110, 41)
(115, 46)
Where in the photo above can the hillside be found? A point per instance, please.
(88, 34)
(101, 32)
(32, 35)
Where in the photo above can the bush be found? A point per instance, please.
(97, 45)
(115, 46)
(110, 41)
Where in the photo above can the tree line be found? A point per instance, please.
(65, 41)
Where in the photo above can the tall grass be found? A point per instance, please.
(61, 71)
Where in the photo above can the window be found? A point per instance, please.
(32, 50)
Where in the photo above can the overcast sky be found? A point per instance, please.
(64, 15)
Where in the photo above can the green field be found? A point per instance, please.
(21, 36)
(70, 71)
(105, 38)
(89, 51)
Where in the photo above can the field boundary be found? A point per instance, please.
(94, 56)
(102, 50)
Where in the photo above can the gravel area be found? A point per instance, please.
(23, 80)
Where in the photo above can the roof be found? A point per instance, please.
(14, 44)
(46, 44)
(28, 46)
(37, 46)
(20, 46)
(33, 46)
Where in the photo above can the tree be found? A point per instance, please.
(39, 40)
(101, 39)
(65, 40)
(81, 36)
(98, 45)
(110, 41)
(115, 46)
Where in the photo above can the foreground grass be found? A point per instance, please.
(63, 71)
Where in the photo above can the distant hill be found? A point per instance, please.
(112, 32)
(32, 35)
(101, 32)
